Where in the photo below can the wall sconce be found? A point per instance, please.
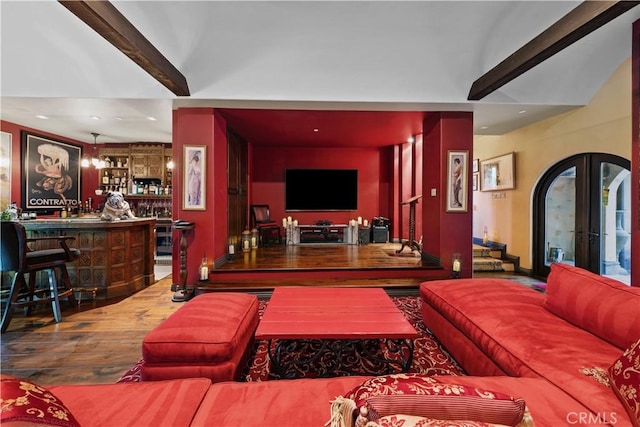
(170, 164)
(456, 265)
(246, 241)
(254, 238)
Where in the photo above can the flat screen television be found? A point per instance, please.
(321, 189)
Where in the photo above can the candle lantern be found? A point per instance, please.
(246, 241)
(204, 269)
(456, 265)
(254, 238)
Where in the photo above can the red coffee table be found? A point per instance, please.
(347, 323)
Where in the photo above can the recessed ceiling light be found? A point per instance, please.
(95, 117)
(484, 127)
(43, 117)
(119, 118)
(316, 129)
(153, 119)
(522, 111)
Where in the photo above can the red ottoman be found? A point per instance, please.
(210, 336)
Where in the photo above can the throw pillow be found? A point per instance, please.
(424, 396)
(413, 421)
(23, 403)
(625, 381)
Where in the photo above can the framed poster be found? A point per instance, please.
(51, 173)
(195, 174)
(457, 165)
(498, 173)
(5, 170)
(476, 181)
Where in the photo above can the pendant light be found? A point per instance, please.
(95, 160)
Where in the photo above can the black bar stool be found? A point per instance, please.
(16, 256)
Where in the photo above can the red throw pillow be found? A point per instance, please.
(23, 403)
(625, 381)
(424, 396)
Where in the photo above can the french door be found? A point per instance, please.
(582, 214)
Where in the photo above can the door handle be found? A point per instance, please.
(592, 236)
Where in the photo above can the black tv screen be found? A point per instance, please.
(321, 189)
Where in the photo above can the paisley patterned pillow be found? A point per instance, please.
(23, 403)
(424, 396)
(625, 381)
(413, 421)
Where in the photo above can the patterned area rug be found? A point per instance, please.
(428, 356)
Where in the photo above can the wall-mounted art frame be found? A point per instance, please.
(457, 186)
(5, 170)
(475, 182)
(51, 173)
(498, 173)
(476, 165)
(195, 178)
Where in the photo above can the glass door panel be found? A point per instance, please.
(615, 220)
(560, 218)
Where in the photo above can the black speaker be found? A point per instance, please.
(380, 234)
(364, 235)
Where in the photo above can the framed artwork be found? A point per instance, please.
(476, 165)
(476, 181)
(195, 173)
(498, 173)
(5, 170)
(457, 165)
(51, 173)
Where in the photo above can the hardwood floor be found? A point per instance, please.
(98, 342)
(92, 344)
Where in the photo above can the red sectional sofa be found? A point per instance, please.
(549, 350)
(568, 337)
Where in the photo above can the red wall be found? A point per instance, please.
(88, 176)
(268, 165)
(446, 233)
(201, 126)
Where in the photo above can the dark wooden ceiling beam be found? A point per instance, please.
(107, 21)
(584, 19)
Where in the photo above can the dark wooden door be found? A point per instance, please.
(581, 215)
(237, 194)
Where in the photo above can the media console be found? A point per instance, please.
(323, 234)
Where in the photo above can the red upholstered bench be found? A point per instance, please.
(210, 336)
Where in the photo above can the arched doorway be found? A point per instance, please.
(582, 211)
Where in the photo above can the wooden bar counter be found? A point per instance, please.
(117, 257)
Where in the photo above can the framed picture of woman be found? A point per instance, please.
(457, 186)
(195, 167)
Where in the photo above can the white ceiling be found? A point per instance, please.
(347, 55)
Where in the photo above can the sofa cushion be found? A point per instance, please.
(625, 381)
(24, 403)
(419, 395)
(147, 404)
(605, 307)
